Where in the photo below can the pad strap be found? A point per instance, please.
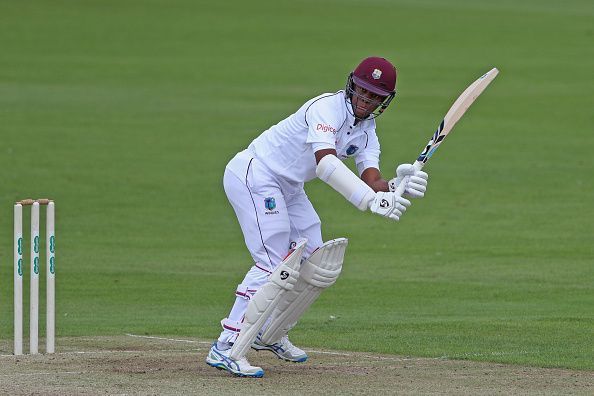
(231, 325)
(244, 291)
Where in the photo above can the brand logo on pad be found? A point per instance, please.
(284, 275)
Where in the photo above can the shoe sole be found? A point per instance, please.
(221, 366)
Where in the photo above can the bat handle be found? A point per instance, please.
(418, 165)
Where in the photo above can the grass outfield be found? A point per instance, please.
(126, 113)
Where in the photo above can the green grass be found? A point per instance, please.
(126, 113)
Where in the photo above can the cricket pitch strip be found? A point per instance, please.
(142, 364)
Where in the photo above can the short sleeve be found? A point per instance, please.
(323, 122)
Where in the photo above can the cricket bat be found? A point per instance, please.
(453, 115)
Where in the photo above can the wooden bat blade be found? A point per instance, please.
(464, 101)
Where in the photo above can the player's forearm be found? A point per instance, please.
(379, 185)
(373, 178)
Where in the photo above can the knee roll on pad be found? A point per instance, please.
(264, 301)
(317, 276)
(318, 272)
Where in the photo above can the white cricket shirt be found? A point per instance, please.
(323, 122)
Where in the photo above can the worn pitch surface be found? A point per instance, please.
(135, 364)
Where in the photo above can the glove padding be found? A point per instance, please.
(416, 181)
(388, 204)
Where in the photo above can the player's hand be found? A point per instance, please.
(416, 181)
(388, 204)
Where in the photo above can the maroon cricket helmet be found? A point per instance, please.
(377, 75)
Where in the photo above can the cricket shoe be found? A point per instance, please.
(242, 368)
(283, 348)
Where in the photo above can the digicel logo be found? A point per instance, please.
(325, 128)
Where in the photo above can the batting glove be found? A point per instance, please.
(388, 204)
(416, 181)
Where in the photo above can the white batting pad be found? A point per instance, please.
(319, 271)
(262, 304)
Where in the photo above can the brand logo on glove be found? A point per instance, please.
(284, 275)
(384, 204)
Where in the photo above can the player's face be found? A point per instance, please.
(365, 102)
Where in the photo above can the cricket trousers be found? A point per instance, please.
(273, 213)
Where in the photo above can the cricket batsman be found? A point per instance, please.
(282, 231)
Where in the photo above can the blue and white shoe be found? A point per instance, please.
(242, 368)
(283, 348)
